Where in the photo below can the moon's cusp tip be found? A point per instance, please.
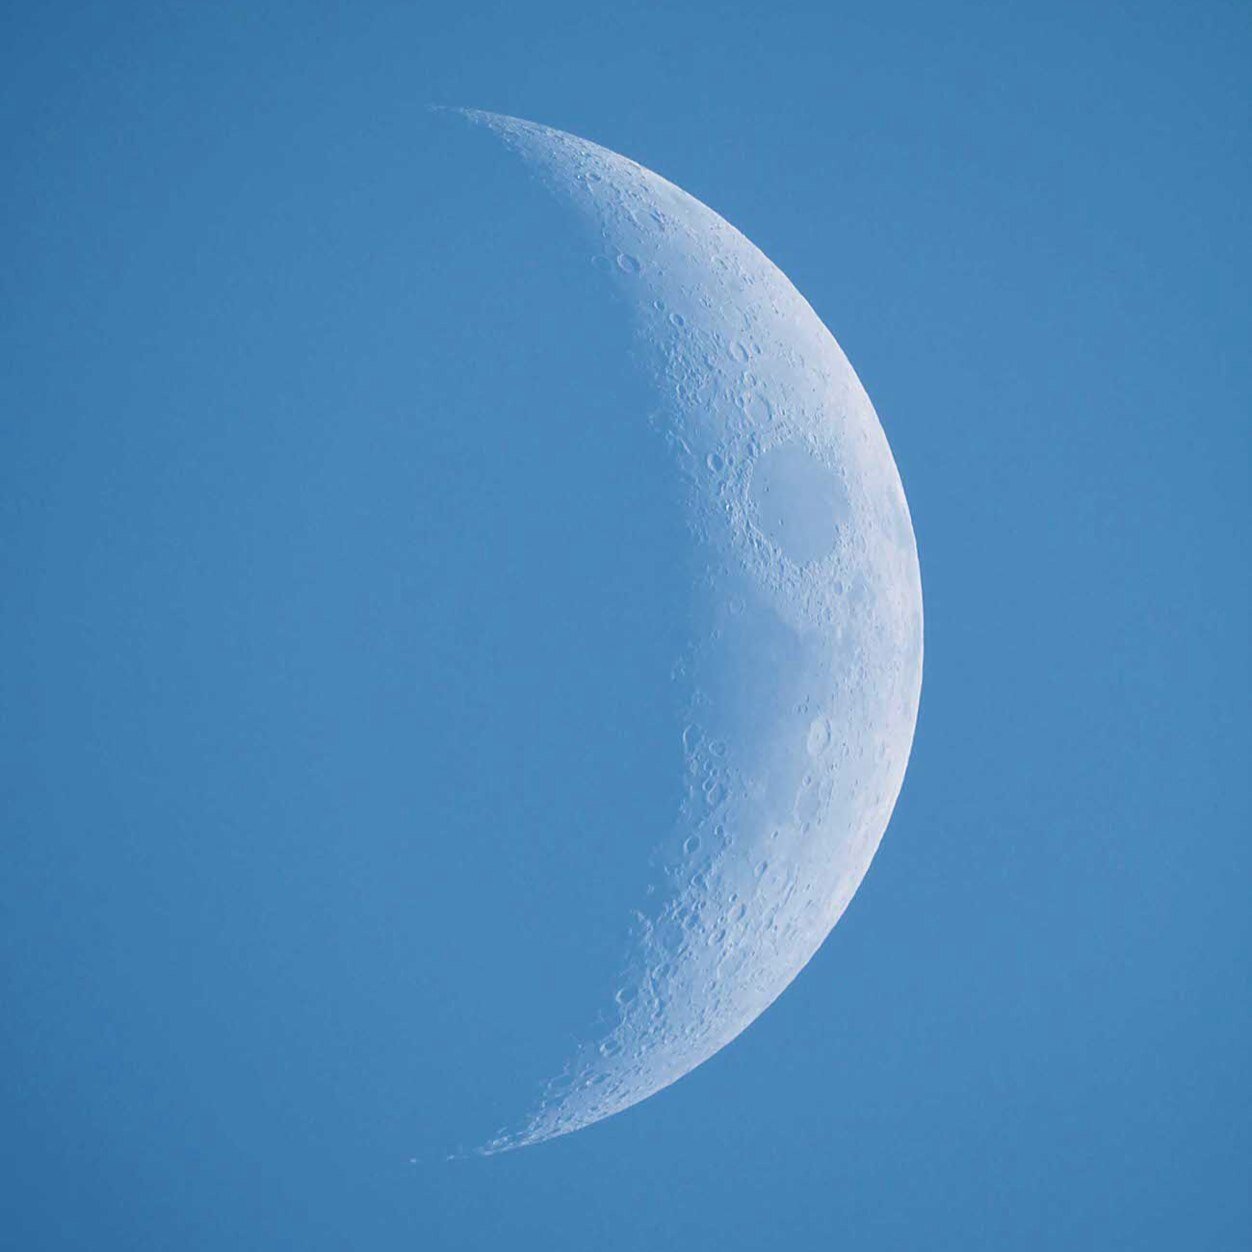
(457, 111)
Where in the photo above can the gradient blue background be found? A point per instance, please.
(340, 579)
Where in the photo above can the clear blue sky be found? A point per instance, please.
(339, 591)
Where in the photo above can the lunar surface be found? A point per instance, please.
(806, 660)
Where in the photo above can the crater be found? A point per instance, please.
(800, 503)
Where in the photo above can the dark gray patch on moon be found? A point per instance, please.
(800, 503)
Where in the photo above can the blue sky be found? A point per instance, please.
(341, 590)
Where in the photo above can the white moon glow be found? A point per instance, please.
(806, 661)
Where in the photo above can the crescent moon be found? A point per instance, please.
(805, 666)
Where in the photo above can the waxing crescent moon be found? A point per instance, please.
(804, 671)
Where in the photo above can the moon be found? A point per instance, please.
(803, 673)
